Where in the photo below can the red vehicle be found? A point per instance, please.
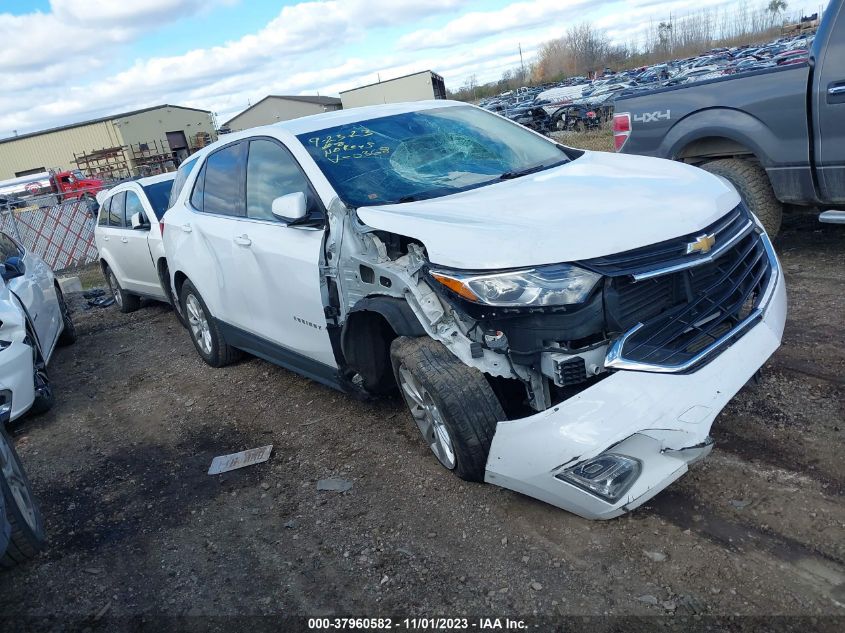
(52, 186)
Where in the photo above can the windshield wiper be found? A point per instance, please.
(509, 175)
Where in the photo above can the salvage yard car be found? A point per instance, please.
(128, 239)
(566, 324)
(21, 524)
(34, 320)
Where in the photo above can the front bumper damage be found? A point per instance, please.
(661, 419)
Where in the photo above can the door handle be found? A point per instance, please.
(124, 239)
(836, 90)
(243, 240)
(187, 228)
(105, 238)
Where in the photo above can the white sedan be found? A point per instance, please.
(34, 319)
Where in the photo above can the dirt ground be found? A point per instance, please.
(137, 527)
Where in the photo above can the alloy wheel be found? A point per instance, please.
(115, 289)
(428, 418)
(198, 323)
(16, 481)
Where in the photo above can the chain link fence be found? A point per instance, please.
(62, 234)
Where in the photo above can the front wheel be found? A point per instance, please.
(27, 526)
(753, 186)
(453, 405)
(205, 332)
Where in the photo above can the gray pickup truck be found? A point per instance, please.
(777, 134)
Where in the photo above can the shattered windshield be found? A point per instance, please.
(425, 154)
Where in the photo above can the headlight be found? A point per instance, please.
(555, 285)
(608, 476)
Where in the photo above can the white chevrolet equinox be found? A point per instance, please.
(562, 323)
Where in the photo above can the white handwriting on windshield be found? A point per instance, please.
(351, 145)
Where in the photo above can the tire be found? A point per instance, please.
(68, 335)
(44, 396)
(446, 396)
(27, 533)
(164, 278)
(204, 330)
(754, 188)
(125, 302)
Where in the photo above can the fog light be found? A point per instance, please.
(608, 476)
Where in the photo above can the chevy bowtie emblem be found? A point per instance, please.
(701, 244)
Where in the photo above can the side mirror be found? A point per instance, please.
(291, 207)
(12, 268)
(139, 221)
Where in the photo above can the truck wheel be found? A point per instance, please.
(27, 533)
(68, 334)
(125, 301)
(453, 406)
(205, 333)
(754, 188)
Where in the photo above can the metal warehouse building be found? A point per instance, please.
(131, 143)
(416, 87)
(275, 108)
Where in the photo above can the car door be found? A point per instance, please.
(36, 292)
(206, 240)
(278, 263)
(134, 251)
(829, 115)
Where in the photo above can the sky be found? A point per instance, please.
(64, 61)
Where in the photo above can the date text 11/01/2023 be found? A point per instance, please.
(418, 624)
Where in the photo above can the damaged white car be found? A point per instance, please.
(562, 323)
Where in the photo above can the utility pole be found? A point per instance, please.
(521, 62)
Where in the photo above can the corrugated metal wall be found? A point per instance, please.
(416, 87)
(272, 110)
(55, 149)
(153, 125)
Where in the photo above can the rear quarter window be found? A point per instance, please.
(182, 174)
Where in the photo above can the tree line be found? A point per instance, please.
(584, 49)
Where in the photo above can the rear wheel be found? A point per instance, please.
(44, 397)
(125, 301)
(27, 533)
(452, 404)
(68, 335)
(754, 188)
(205, 332)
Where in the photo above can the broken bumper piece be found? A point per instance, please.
(659, 423)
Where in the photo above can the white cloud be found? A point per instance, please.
(478, 24)
(308, 47)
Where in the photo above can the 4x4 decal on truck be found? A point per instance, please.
(649, 117)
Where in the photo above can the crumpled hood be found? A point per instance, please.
(596, 205)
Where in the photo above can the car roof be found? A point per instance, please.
(151, 180)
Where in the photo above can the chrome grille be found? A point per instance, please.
(668, 320)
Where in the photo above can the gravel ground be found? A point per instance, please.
(137, 527)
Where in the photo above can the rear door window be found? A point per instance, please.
(104, 212)
(223, 181)
(117, 211)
